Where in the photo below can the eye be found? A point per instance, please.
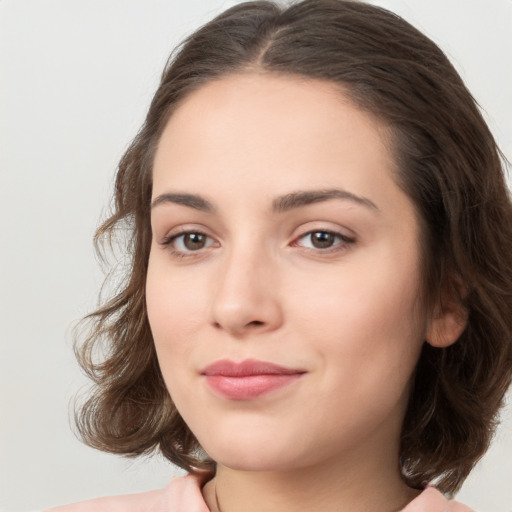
(323, 239)
(187, 242)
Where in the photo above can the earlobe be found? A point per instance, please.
(447, 325)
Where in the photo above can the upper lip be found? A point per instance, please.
(247, 368)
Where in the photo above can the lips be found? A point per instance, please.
(248, 379)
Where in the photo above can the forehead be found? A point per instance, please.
(253, 133)
(254, 108)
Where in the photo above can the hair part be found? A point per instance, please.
(447, 162)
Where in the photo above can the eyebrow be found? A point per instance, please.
(281, 204)
(304, 198)
(191, 200)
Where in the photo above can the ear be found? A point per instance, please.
(448, 322)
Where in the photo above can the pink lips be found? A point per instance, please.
(248, 379)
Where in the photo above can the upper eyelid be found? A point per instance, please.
(186, 230)
(341, 231)
(172, 236)
(323, 230)
(183, 230)
(346, 239)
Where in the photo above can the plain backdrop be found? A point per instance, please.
(76, 77)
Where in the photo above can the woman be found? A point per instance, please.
(317, 313)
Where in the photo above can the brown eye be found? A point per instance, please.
(191, 241)
(194, 241)
(322, 239)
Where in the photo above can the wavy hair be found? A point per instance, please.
(447, 163)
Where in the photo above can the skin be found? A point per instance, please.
(257, 285)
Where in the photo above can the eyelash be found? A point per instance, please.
(345, 243)
(170, 239)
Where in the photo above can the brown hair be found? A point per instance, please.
(448, 164)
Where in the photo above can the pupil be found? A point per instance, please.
(322, 240)
(194, 241)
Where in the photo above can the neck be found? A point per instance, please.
(351, 483)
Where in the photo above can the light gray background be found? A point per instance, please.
(76, 77)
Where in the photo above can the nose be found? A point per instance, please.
(246, 295)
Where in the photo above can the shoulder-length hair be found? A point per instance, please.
(447, 163)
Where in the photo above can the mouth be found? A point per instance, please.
(248, 379)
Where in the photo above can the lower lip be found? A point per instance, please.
(247, 388)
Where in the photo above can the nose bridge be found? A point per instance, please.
(246, 296)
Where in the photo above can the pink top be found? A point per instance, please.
(184, 495)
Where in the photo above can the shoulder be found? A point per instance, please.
(431, 500)
(127, 503)
(183, 494)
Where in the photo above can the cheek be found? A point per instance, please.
(366, 343)
(363, 319)
(378, 292)
(175, 313)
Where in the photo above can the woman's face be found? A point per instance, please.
(284, 278)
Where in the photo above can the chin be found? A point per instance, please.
(252, 455)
